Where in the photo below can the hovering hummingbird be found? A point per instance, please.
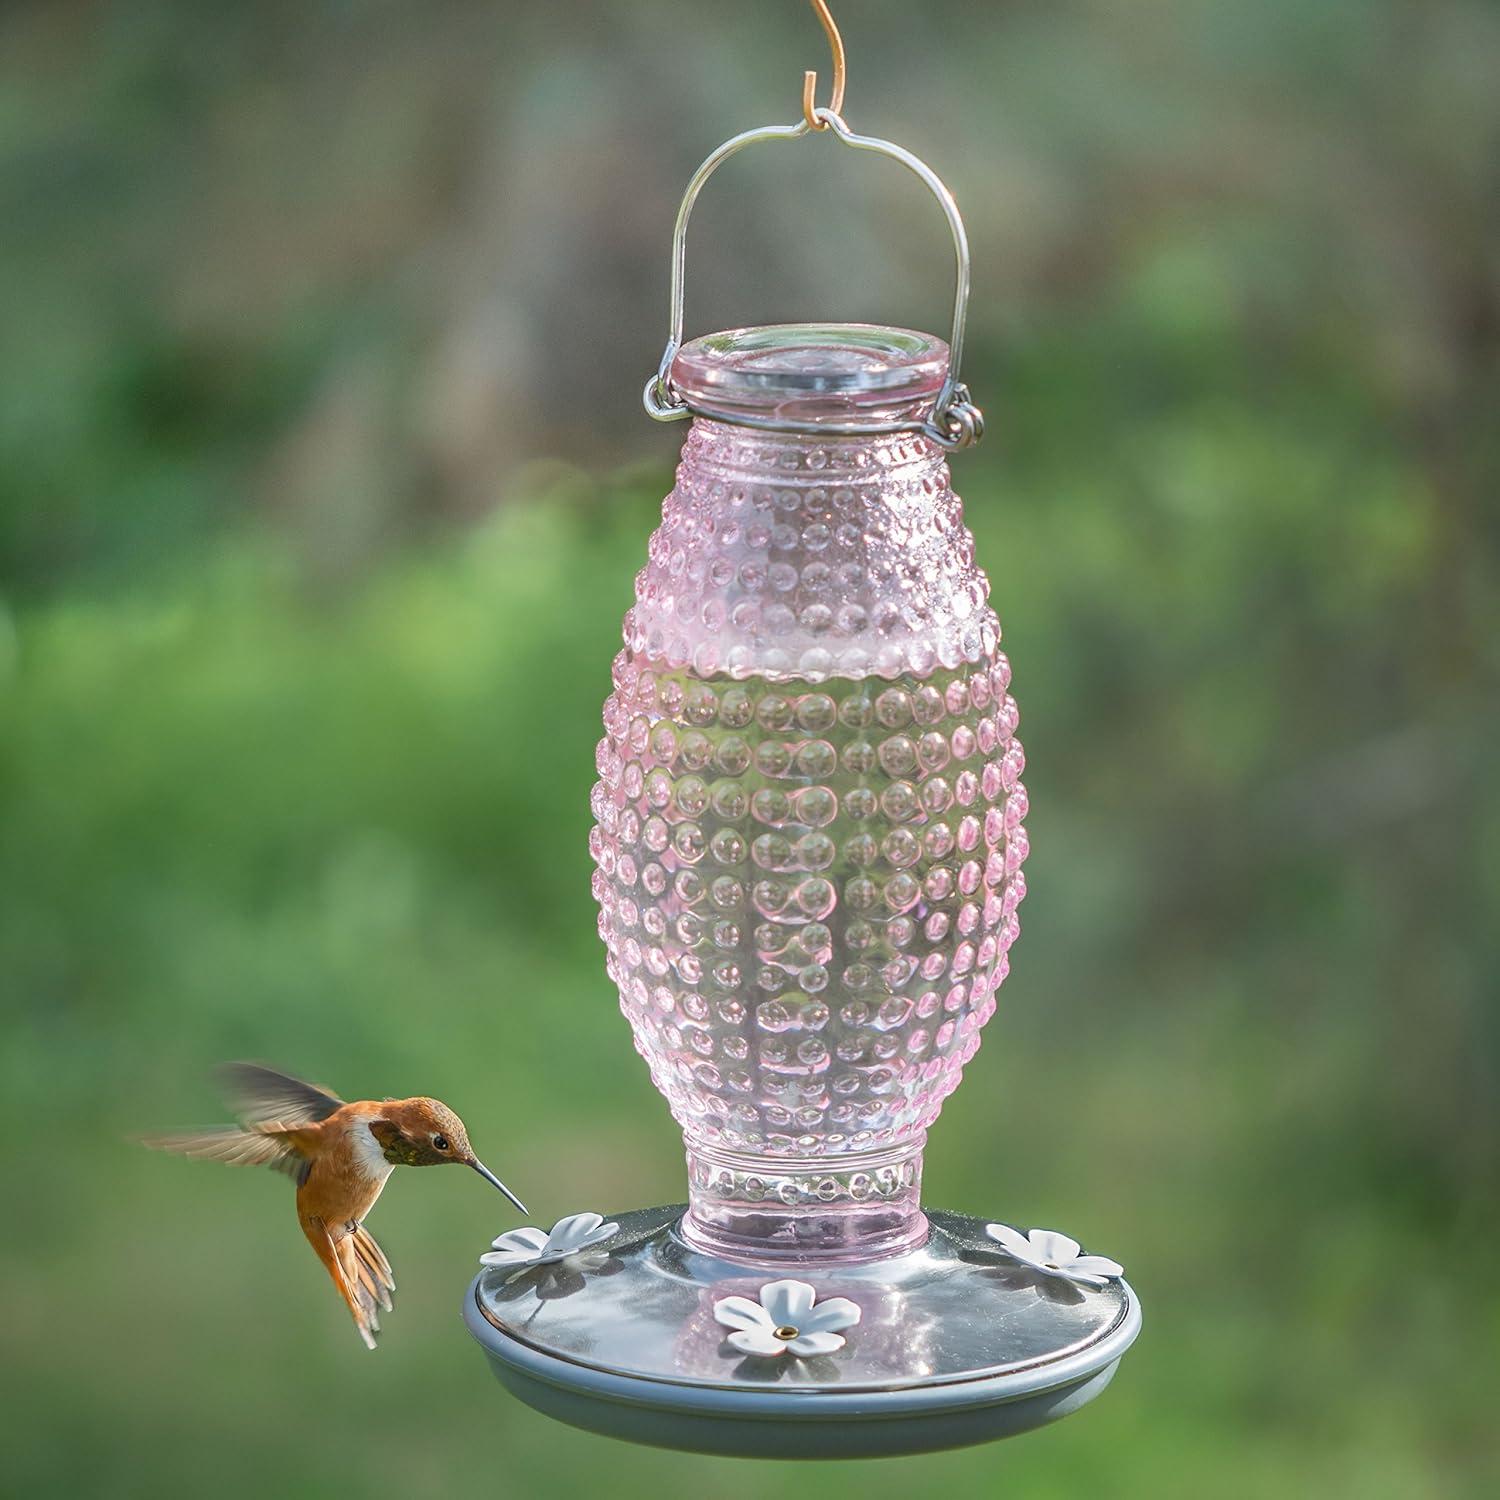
(339, 1155)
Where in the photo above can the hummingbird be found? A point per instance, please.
(339, 1155)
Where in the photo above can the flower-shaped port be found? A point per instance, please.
(788, 1319)
(571, 1239)
(1054, 1254)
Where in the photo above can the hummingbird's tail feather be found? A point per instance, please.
(262, 1096)
(368, 1306)
(342, 1263)
(233, 1146)
(374, 1269)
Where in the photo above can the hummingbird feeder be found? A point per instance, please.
(809, 845)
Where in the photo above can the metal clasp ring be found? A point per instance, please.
(955, 421)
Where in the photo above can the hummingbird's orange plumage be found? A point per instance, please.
(340, 1156)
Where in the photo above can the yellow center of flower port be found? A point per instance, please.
(786, 1331)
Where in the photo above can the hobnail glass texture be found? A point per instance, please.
(808, 830)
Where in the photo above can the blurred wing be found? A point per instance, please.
(262, 1096)
(235, 1147)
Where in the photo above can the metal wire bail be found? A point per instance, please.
(955, 421)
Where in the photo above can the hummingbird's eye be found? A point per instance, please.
(441, 1142)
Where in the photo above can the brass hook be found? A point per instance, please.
(810, 78)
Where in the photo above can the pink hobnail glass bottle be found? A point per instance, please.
(809, 809)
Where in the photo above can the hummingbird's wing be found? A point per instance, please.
(262, 1096)
(238, 1148)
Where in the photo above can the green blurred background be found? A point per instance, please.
(323, 481)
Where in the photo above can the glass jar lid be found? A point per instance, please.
(812, 373)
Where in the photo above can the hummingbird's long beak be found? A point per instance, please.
(489, 1176)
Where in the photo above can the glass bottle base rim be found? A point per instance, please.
(909, 1234)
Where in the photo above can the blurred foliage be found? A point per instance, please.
(321, 490)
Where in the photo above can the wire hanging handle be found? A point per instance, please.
(955, 421)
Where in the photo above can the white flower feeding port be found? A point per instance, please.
(1052, 1254)
(809, 844)
(576, 1239)
(787, 1318)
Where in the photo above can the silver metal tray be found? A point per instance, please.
(957, 1344)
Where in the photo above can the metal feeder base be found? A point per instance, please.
(957, 1345)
